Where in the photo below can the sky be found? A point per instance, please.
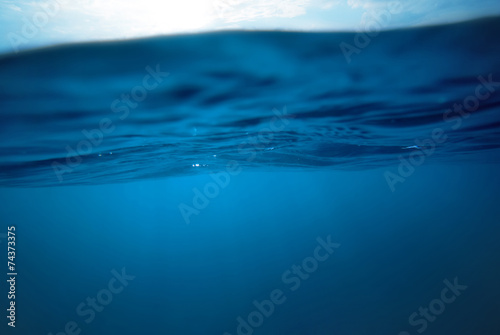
(26, 24)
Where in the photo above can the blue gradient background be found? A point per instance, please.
(396, 250)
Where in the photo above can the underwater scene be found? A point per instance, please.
(254, 182)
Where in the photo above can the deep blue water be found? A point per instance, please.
(209, 167)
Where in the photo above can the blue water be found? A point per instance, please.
(209, 167)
